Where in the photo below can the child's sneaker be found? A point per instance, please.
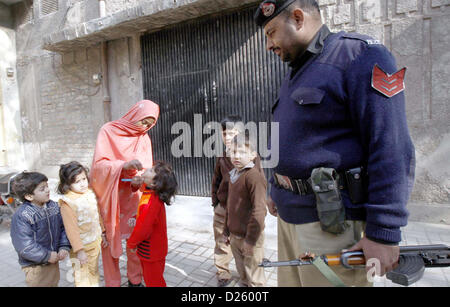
(223, 282)
(131, 285)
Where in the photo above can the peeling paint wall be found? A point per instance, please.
(61, 107)
(11, 142)
(125, 74)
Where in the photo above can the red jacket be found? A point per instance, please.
(150, 233)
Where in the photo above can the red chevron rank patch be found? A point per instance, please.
(386, 84)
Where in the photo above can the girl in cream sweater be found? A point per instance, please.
(82, 222)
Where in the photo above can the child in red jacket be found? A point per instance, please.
(149, 237)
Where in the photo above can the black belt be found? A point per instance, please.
(302, 186)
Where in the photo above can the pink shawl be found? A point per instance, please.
(118, 142)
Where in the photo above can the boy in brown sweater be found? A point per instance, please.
(246, 211)
(219, 194)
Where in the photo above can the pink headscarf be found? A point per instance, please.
(118, 142)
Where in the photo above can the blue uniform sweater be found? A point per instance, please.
(330, 116)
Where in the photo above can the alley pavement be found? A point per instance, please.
(190, 260)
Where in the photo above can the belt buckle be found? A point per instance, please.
(284, 182)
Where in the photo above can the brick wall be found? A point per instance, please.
(67, 117)
(61, 108)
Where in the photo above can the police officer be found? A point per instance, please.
(341, 107)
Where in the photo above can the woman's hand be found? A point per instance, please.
(136, 182)
(133, 165)
(104, 241)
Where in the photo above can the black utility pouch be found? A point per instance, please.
(331, 210)
(357, 185)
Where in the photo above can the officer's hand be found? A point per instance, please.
(272, 207)
(133, 164)
(387, 255)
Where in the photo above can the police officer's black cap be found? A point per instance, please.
(269, 9)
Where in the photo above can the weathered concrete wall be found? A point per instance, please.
(414, 30)
(125, 74)
(147, 16)
(11, 142)
(114, 6)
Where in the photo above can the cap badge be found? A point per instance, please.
(268, 9)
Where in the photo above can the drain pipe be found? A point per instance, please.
(104, 63)
(105, 83)
(102, 7)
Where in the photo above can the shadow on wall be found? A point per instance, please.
(423, 47)
(11, 136)
(417, 34)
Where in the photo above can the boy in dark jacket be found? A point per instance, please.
(219, 194)
(37, 231)
(246, 211)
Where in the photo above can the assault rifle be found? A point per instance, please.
(411, 264)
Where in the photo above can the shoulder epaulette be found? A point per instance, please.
(365, 38)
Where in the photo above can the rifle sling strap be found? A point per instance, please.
(327, 272)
